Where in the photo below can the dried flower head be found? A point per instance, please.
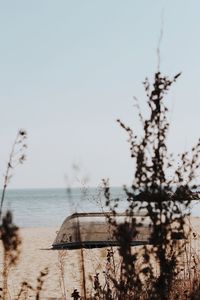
(22, 158)
(22, 132)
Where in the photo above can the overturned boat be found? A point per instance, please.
(93, 230)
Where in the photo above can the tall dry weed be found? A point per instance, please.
(163, 187)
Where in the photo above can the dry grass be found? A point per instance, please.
(167, 268)
(101, 265)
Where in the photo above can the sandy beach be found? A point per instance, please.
(35, 258)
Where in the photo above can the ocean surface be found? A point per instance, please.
(49, 207)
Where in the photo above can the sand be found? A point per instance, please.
(34, 258)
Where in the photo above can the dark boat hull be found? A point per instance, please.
(93, 230)
(93, 244)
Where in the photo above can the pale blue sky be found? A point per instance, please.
(69, 69)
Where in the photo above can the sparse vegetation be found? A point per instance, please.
(17, 156)
(163, 187)
(9, 233)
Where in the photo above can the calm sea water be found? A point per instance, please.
(49, 207)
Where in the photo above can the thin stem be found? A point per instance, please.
(82, 260)
(6, 177)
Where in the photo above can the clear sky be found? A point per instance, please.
(69, 69)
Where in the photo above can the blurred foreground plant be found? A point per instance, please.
(17, 156)
(9, 233)
(11, 248)
(163, 189)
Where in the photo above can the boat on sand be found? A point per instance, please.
(94, 230)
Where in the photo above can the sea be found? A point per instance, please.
(49, 207)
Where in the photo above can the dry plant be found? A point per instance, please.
(82, 261)
(24, 290)
(8, 231)
(104, 290)
(61, 265)
(11, 248)
(40, 282)
(17, 156)
(163, 189)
